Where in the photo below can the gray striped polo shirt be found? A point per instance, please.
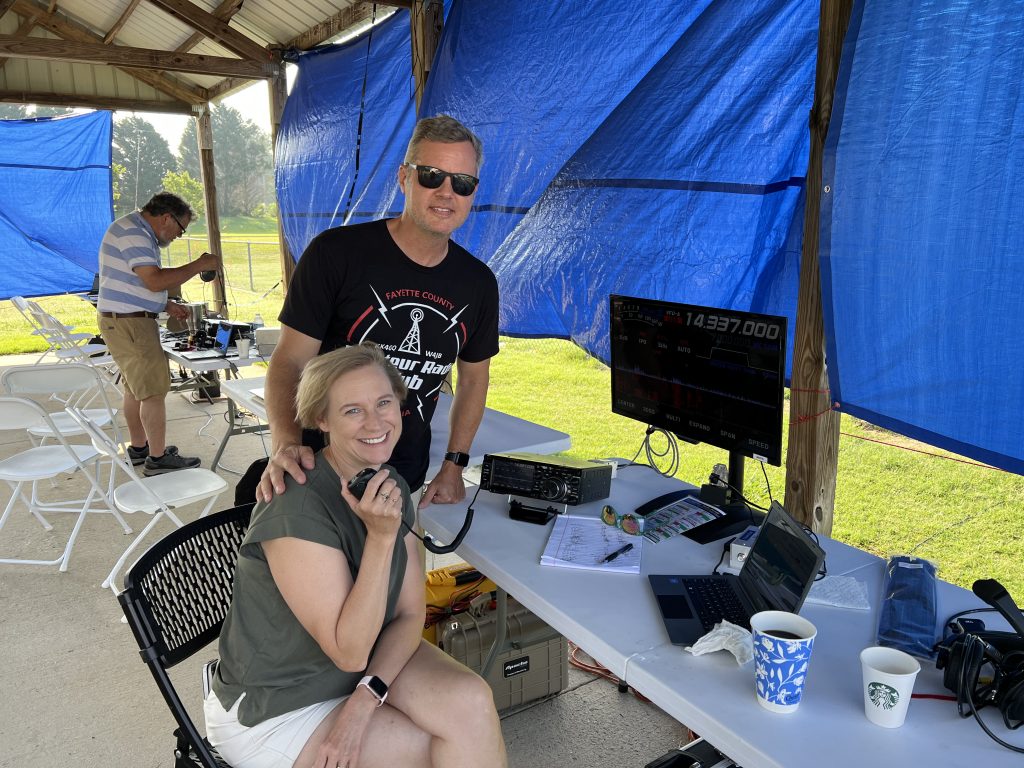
(129, 243)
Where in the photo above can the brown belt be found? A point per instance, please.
(115, 315)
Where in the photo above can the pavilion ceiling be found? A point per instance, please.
(158, 55)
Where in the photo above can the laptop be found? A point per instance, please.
(776, 576)
(220, 348)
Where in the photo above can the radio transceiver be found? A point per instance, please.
(552, 478)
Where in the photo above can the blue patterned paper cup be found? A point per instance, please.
(782, 653)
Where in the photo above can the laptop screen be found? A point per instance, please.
(782, 564)
(223, 339)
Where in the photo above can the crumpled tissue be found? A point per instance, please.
(725, 636)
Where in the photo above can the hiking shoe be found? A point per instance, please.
(138, 455)
(171, 461)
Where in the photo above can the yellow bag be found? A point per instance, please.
(449, 591)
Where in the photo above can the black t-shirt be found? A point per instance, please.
(355, 284)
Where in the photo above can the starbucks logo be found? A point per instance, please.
(882, 695)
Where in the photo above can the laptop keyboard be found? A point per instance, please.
(714, 600)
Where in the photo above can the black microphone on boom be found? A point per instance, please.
(995, 594)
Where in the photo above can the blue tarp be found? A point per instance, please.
(662, 154)
(922, 227)
(659, 153)
(343, 133)
(55, 202)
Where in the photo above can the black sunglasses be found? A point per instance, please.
(176, 221)
(430, 177)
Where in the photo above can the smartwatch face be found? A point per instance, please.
(376, 685)
(459, 459)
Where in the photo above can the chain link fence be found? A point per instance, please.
(252, 275)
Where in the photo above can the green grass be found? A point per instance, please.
(252, 227)
(888, 500)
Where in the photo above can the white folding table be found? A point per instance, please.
(614, 617)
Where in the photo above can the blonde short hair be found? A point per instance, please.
(321, 372)
(443, 129)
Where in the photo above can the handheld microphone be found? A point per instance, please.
(357, 485)
(995, 594)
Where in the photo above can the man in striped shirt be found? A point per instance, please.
(133, 291)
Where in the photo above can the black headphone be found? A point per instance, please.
(983, 667)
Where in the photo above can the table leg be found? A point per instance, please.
(228, 434)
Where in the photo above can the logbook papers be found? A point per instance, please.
(585, 542)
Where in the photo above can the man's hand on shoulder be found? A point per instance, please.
(446, 488)
(288, 459)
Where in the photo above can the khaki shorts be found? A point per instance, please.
(134, 343)
(271, 744)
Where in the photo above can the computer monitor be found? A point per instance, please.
(708, 375)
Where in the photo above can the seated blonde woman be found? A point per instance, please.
(322, 661)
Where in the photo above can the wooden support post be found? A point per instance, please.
(426, 20)
(813, 457)
(278, 91)
(204, 133)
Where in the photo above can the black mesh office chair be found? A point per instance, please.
(175, 599)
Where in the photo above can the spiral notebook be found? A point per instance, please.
(584, 542)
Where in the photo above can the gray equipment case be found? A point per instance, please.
(533, 664)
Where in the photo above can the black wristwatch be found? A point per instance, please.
(376, 686)
(458, 459)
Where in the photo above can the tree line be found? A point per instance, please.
(145, 165)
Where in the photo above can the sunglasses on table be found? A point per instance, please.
(628, 523)
(430, 177)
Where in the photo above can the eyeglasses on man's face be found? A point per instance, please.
(430, 177)
(178, 222)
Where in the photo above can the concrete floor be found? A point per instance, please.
(74, 691)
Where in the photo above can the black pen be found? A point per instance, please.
(617, 552)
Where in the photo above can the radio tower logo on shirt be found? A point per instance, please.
(411, 343)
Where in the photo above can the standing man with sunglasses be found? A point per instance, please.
(133, 291)
(405, 285)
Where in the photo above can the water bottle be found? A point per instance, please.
(257, 322)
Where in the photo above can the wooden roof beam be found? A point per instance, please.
(26, 26)
(123, 56)
(95, 102)
(331, 27)
(121, 21)
(214, 28)
(5, 6)
(66, 29)
(224, 12)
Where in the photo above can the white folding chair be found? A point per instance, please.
(74, 385)
(45, 462)
(68, 347)
(158, 495)
(29, 311)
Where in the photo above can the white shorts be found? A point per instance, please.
(274, 743)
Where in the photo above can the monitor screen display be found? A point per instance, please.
(715, 376)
